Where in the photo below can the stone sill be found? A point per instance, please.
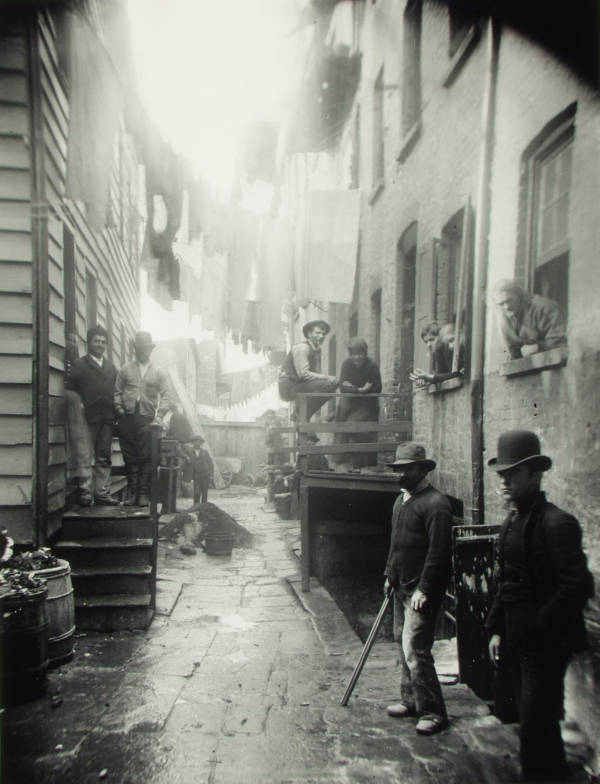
(377, 188)
(409, 141)
(446, 386)
(534, 363)
(460, 57)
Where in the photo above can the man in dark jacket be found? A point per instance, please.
(536, 620)
(418, 569)
(301, 369)
(142, 396)
(198, 468)
(93, 378)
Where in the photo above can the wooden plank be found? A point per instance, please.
(15, 309)
(15, 460)
(13, 119)
(15, 430)
(341, 528)
(56, 501)
(56, 277)
(56, 454)
(56, 304)
(15, 491)
(16, 369)
(15, 246)
(12, 53)
(15, 278)
(56, 382)
(15, 215)
(15, 184)
(13, 87)
(56, 362)
(57, 330)
(56, 410)
(57, 434)
(336, 449)
(15, 399)
(13, 152)
(304, 537)
(398, 426)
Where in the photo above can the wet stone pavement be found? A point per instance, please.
(238, 680)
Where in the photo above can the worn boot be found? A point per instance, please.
(144, 486)
(131, 497)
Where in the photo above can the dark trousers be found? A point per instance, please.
(135, 437)
(538, 669)
(201, 488)
(288, 390)
(413, 631)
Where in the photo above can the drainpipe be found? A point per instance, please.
(482, 206)
(39, 233)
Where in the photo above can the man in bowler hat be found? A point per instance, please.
(418, 569)
(301, 369)
(142, 395)
(536, 620)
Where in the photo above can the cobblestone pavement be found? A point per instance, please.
(239, 681)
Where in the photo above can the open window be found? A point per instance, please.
(544, 244)
(452, 280)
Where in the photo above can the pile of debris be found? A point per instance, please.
(189, 529)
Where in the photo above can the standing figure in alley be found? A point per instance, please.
(142, 396)
(359, 375)
(301, 369)
(93, 378)
(536, 620)
(198, 468)
(418, 569)
(529, 323)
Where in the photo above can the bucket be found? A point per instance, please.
(218, 544)
(23, 647)
(60, 606)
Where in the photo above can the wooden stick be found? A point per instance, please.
(367, 648)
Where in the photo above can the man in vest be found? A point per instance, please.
(142, 396)
(301, 369)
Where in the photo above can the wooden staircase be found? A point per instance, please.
(112, 553)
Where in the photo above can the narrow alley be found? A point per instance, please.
(239, 679)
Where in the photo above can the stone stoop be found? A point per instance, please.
(110, 553)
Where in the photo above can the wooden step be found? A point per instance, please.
(103, 580)
(106, 526)
(105, 552)
(112, 612)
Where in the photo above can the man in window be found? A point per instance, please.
(529, 322)
(536, 620)
(301, 369)
(441, 349)
(93, 378)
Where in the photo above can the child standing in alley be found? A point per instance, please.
(198, 468)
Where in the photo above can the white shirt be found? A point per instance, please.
(98, 361)
(408, 494)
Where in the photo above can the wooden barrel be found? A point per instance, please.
(218, 544)
(23, 647)
(61, 612)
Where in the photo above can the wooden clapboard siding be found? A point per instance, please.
(15, 430)
(15, 399)
(15, 278)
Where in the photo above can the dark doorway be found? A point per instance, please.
(406, 266)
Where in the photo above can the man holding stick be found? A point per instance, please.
(418, 569)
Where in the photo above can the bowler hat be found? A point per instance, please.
(317, 323)
(410, 452)
(143, 339)
(516, 447)
(197, 437)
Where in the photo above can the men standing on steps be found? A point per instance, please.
(142, 396)
(301, 369)
(418, 569)
(536, 621)
(93, 378)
